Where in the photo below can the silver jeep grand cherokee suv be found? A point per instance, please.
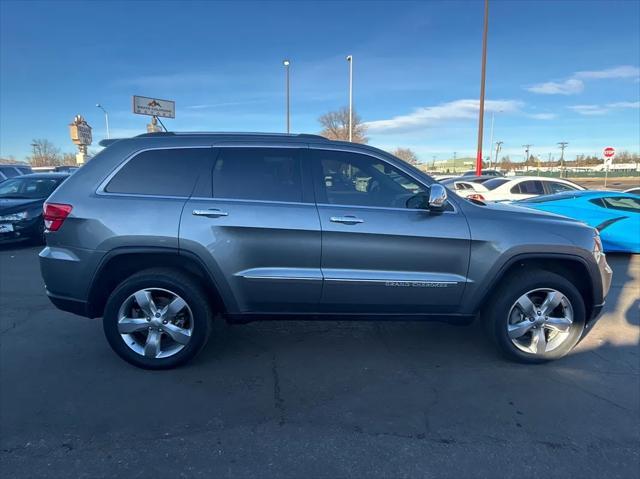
(159, 233)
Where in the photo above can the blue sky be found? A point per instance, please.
(557, 71)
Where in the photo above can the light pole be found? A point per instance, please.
(493, 117)
(498, 148)
(482, 83)
(106, 119)
(286, 64)
(350, 60)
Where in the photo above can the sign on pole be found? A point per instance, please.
(143, 105)
(80, 132)
(608, 153)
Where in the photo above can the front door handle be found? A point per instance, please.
(347, 220)
(211, 213)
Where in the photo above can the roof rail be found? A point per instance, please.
(156, 133)
(108, 141)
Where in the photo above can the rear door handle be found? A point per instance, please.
(210, 213)
(347, 220)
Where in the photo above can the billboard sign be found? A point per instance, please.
(143, 105)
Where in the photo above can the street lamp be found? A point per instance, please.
(106, 118)
(350, 60)
(286, 64)
(493, 115)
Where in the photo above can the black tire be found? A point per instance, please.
(496, 313)
(172, 280)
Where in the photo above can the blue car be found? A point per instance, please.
(615, 215)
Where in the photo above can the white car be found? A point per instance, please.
(517, 188)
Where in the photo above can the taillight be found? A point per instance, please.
(55, 214)
(476, 196)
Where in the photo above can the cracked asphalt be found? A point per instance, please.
(314, 399)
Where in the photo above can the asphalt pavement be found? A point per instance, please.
(314, 399)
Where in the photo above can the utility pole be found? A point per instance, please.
(350, 60)
(498, 148)
(482, 84)
(526, 154)
(286, 64)
(563, 145)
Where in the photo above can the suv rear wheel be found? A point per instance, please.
(536, 316)
(157, 319)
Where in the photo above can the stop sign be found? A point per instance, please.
(609, 152)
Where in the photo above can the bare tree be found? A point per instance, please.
(69, 159)
(406, 154)
(505, 164)
(335, 126)
(44, 153)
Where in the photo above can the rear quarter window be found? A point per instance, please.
(620, 203)
(169, 172)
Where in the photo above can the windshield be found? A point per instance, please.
(494, 183)
(28, 188)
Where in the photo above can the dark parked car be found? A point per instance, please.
(493, 173)
(21, 201)
(11, 171)
(158, 233)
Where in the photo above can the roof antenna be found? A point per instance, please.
(165, 128)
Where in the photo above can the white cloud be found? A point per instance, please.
(591, 110)
(571, 86)
(625, 104)
(426, 116)
(624, 71)
(542, 116)
(575, 84)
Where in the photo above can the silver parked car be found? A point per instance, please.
(158, 233)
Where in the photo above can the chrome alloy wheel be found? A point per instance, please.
(540, 321)
(155, 323)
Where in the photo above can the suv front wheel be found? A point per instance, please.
(535, 316)
(157, 319)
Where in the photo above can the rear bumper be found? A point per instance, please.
(69, 305)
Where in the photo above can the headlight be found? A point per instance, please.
(15, 216)
(598, 252)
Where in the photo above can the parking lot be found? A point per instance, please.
(305, 399)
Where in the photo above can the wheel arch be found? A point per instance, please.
(574, 268)
(121, 263)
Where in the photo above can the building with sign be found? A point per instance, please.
(80, 133)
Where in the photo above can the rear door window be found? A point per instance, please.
(168, 172)
(529, 188)
(267, 174)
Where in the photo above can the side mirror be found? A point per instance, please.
(434, 201)
(437, 197)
